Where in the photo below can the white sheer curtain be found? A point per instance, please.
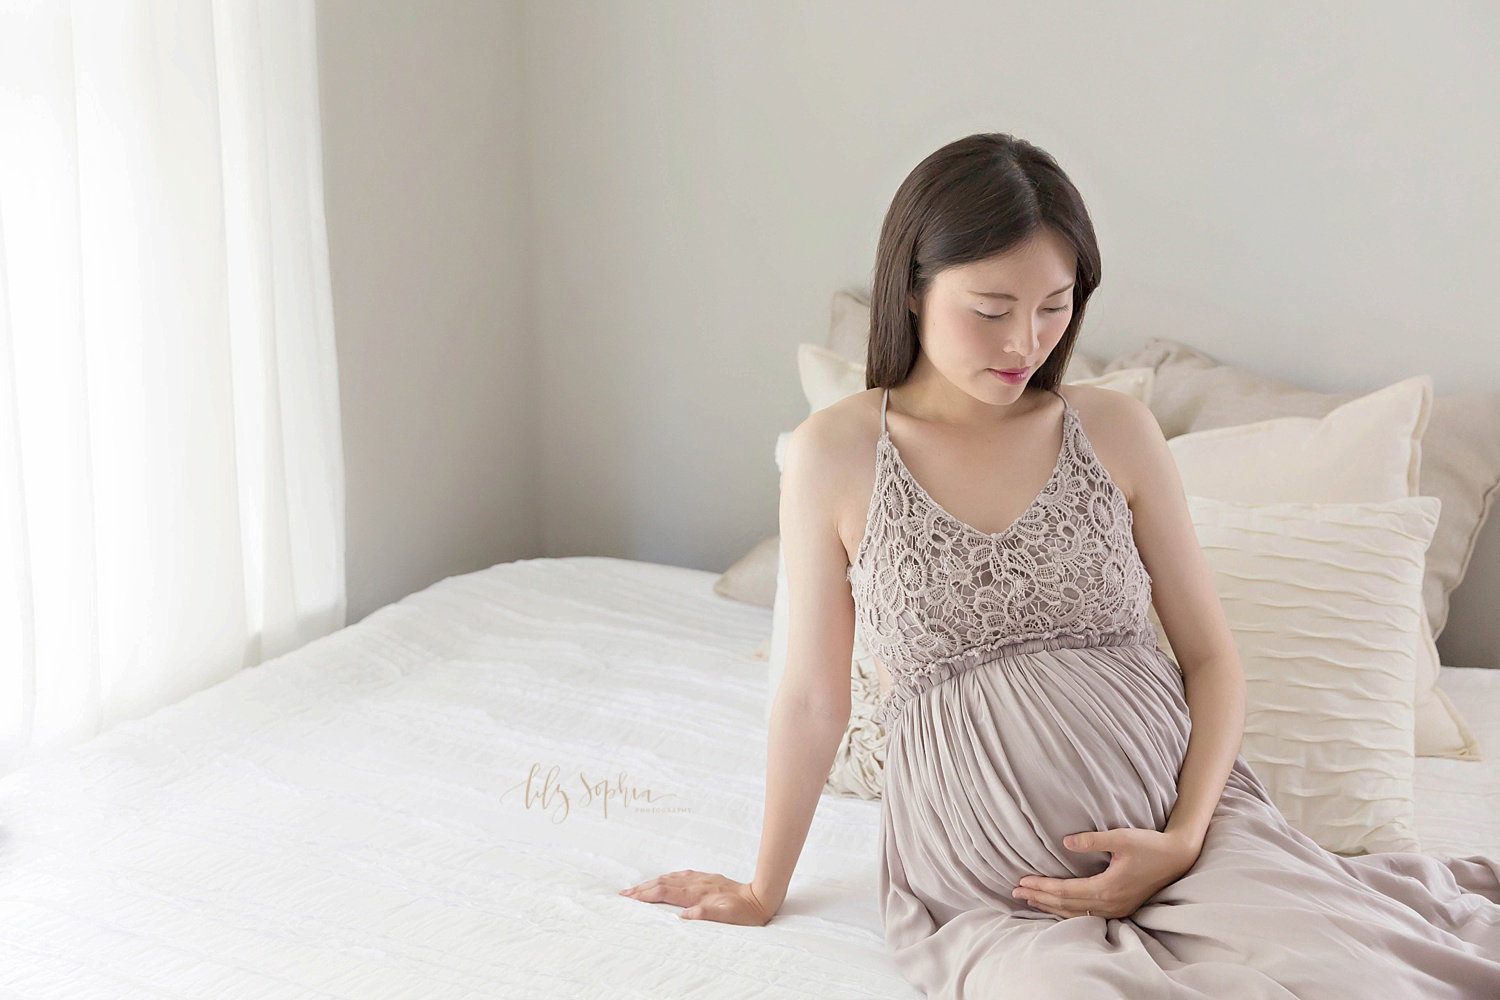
(171, 468)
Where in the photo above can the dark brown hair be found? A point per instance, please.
(971, 200)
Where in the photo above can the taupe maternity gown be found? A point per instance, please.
(1030, 701)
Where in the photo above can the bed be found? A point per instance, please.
(371, 815)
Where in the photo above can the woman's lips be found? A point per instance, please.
(1012, 376)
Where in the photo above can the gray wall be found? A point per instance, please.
(599, 230)
(424, 181)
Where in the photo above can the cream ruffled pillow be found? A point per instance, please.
(859, 765)
(1368, 449)
(1324, 601)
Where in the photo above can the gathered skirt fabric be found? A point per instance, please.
(987, 771)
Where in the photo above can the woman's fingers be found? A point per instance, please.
(683, 888)
(671, 892)
(650, 883)
(1063, 907)
(1050, 900)
(1057, 906)
(702, 896)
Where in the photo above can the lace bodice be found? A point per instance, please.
(934, 596)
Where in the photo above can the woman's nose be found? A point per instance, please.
(1027, 345)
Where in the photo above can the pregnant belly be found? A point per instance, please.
(988, 771)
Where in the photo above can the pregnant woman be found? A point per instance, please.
(1065, 812)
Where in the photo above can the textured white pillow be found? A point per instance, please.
(1325, 605)
(1367, 449)
(858, 767)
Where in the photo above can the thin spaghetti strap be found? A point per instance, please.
(885, 399)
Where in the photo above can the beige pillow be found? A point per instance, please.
(1460, 451)
(752, 578)
(1366, 449)
(1325, 605)
(858, 767)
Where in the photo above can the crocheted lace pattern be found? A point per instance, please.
(935, 596)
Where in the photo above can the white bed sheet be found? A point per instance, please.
(350, 820)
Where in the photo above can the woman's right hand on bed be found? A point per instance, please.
(704, 896)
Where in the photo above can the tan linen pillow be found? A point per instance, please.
(859, 766)
(1460, 450)
(1324, 602)
(752, 578)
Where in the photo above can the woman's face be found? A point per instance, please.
(1003, 313)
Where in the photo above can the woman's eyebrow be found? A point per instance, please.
(1007, 295)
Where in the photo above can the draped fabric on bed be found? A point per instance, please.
(171, 473)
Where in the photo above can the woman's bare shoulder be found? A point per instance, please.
(1086, 397)
(836, 446)
(840, 431)
(1112, 422)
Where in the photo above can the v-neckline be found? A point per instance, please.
(1047, 488)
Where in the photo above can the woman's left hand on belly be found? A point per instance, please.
(1141, 864)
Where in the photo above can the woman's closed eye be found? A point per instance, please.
(1057, 309)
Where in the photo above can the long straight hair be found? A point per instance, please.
(971, 200)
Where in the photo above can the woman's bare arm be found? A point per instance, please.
(1183, 593)
(811, 708)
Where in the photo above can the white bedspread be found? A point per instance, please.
(351, 820)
